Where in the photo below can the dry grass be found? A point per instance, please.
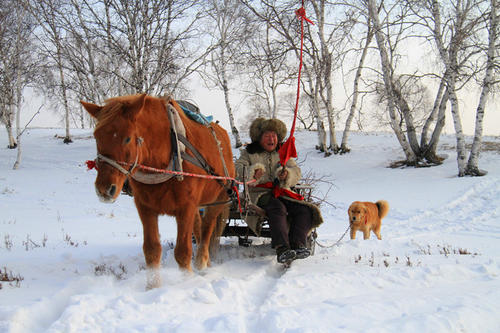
(119, 272)
(14, 280)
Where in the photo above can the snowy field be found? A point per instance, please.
(81, 269)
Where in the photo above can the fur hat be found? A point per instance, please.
(261, 125)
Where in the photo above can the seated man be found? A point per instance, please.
(290, 218)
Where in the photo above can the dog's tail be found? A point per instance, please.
(383, 208)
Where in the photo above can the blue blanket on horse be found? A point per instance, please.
(193, 112)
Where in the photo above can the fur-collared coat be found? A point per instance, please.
(269, 162)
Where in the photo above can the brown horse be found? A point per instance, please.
(135, 131)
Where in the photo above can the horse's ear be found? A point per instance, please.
(135, 105)
(91, 108)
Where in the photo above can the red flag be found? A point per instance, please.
(287, 150)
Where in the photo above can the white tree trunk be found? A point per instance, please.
(234, 130)
(457, 122)
(345, 137)
(17, 163)
(431, 147)
(321, 136)
(424, 139)
(325, 72)
(320, 126)
(472, 164)
(18, 117)
(67, 138)
(225, 89)
(19, 85)
(387, 75)
(8, 127)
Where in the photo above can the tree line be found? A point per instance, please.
(69, 50)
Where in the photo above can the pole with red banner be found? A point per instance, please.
(287, 150)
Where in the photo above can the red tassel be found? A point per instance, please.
(91, 164)
(301, 13)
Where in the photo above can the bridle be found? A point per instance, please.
(118, 165)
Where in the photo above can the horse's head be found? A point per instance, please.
(118, 143)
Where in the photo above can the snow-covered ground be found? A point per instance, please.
(436, 268)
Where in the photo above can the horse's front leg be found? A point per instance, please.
(151, 246)
(184, 247)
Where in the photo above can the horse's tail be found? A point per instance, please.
(220, 225)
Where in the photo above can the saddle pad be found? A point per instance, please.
(193, 112)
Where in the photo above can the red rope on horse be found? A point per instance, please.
(92, 165)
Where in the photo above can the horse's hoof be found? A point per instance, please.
(201, 262)
(153, 279)
(201, 266)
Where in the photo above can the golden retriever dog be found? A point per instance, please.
(367, 216)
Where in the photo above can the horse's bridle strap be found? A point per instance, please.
(117, 165)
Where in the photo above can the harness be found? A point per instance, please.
(174, 169)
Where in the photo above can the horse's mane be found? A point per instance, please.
(111, 109)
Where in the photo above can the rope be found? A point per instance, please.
(92, 165)
(288, 149)
(334, 244)
(301, 14)
(183, 173)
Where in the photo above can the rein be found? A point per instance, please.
(118, 165)
(115, 164)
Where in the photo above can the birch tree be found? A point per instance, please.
(344, 148)
(88, 66)
(268, 69)
(8, 49)
(472, 168)
(22, 35)
(103, 48)
(392, 96)
(17, 66)
(20, 64)
(229, 27)
(455, 30)
(49, 13)
(328, 40)
(147, 42)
